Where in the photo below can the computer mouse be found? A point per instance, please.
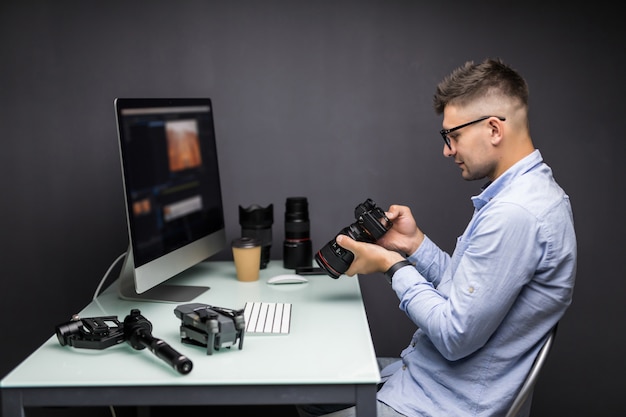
(287, 279)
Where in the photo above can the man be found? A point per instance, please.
(484, 312)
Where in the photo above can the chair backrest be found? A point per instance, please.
(533, 375)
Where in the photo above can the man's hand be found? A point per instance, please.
(368, 257)
(404, 236)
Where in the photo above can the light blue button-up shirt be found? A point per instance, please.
(484, 313)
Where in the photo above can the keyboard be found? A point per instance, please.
(264, 318)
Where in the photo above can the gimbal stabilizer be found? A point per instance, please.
(103, 332)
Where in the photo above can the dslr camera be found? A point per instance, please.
(370, 225)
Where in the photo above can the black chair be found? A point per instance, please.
(529, 384)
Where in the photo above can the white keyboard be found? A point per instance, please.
(267, 318)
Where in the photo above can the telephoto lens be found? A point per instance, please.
(297, 248)
(256, 222)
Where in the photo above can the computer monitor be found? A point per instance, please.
(172, 191)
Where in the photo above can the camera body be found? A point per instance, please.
(370, 225)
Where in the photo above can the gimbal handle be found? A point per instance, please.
(138, 334)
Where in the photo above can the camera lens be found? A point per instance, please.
(256, 222)
(334, 259)
(297, 248)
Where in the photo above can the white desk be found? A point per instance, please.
(327, 358)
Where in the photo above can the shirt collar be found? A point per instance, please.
(491, 189)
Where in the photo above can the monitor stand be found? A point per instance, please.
(164, 293)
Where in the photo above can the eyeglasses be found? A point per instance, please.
(445, 132)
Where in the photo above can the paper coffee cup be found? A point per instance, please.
(247, 258)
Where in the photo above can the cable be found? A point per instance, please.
(95, 298)
(106, 275)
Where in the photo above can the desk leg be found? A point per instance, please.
(12, 405)
(366, 401)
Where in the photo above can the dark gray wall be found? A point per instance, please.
(326, 99)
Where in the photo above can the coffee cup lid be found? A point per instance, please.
(245, 242)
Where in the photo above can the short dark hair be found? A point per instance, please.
(471, 81)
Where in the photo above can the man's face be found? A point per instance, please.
(470, 146)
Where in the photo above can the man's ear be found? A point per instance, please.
(497, 130)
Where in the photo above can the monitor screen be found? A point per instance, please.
(172, 190)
